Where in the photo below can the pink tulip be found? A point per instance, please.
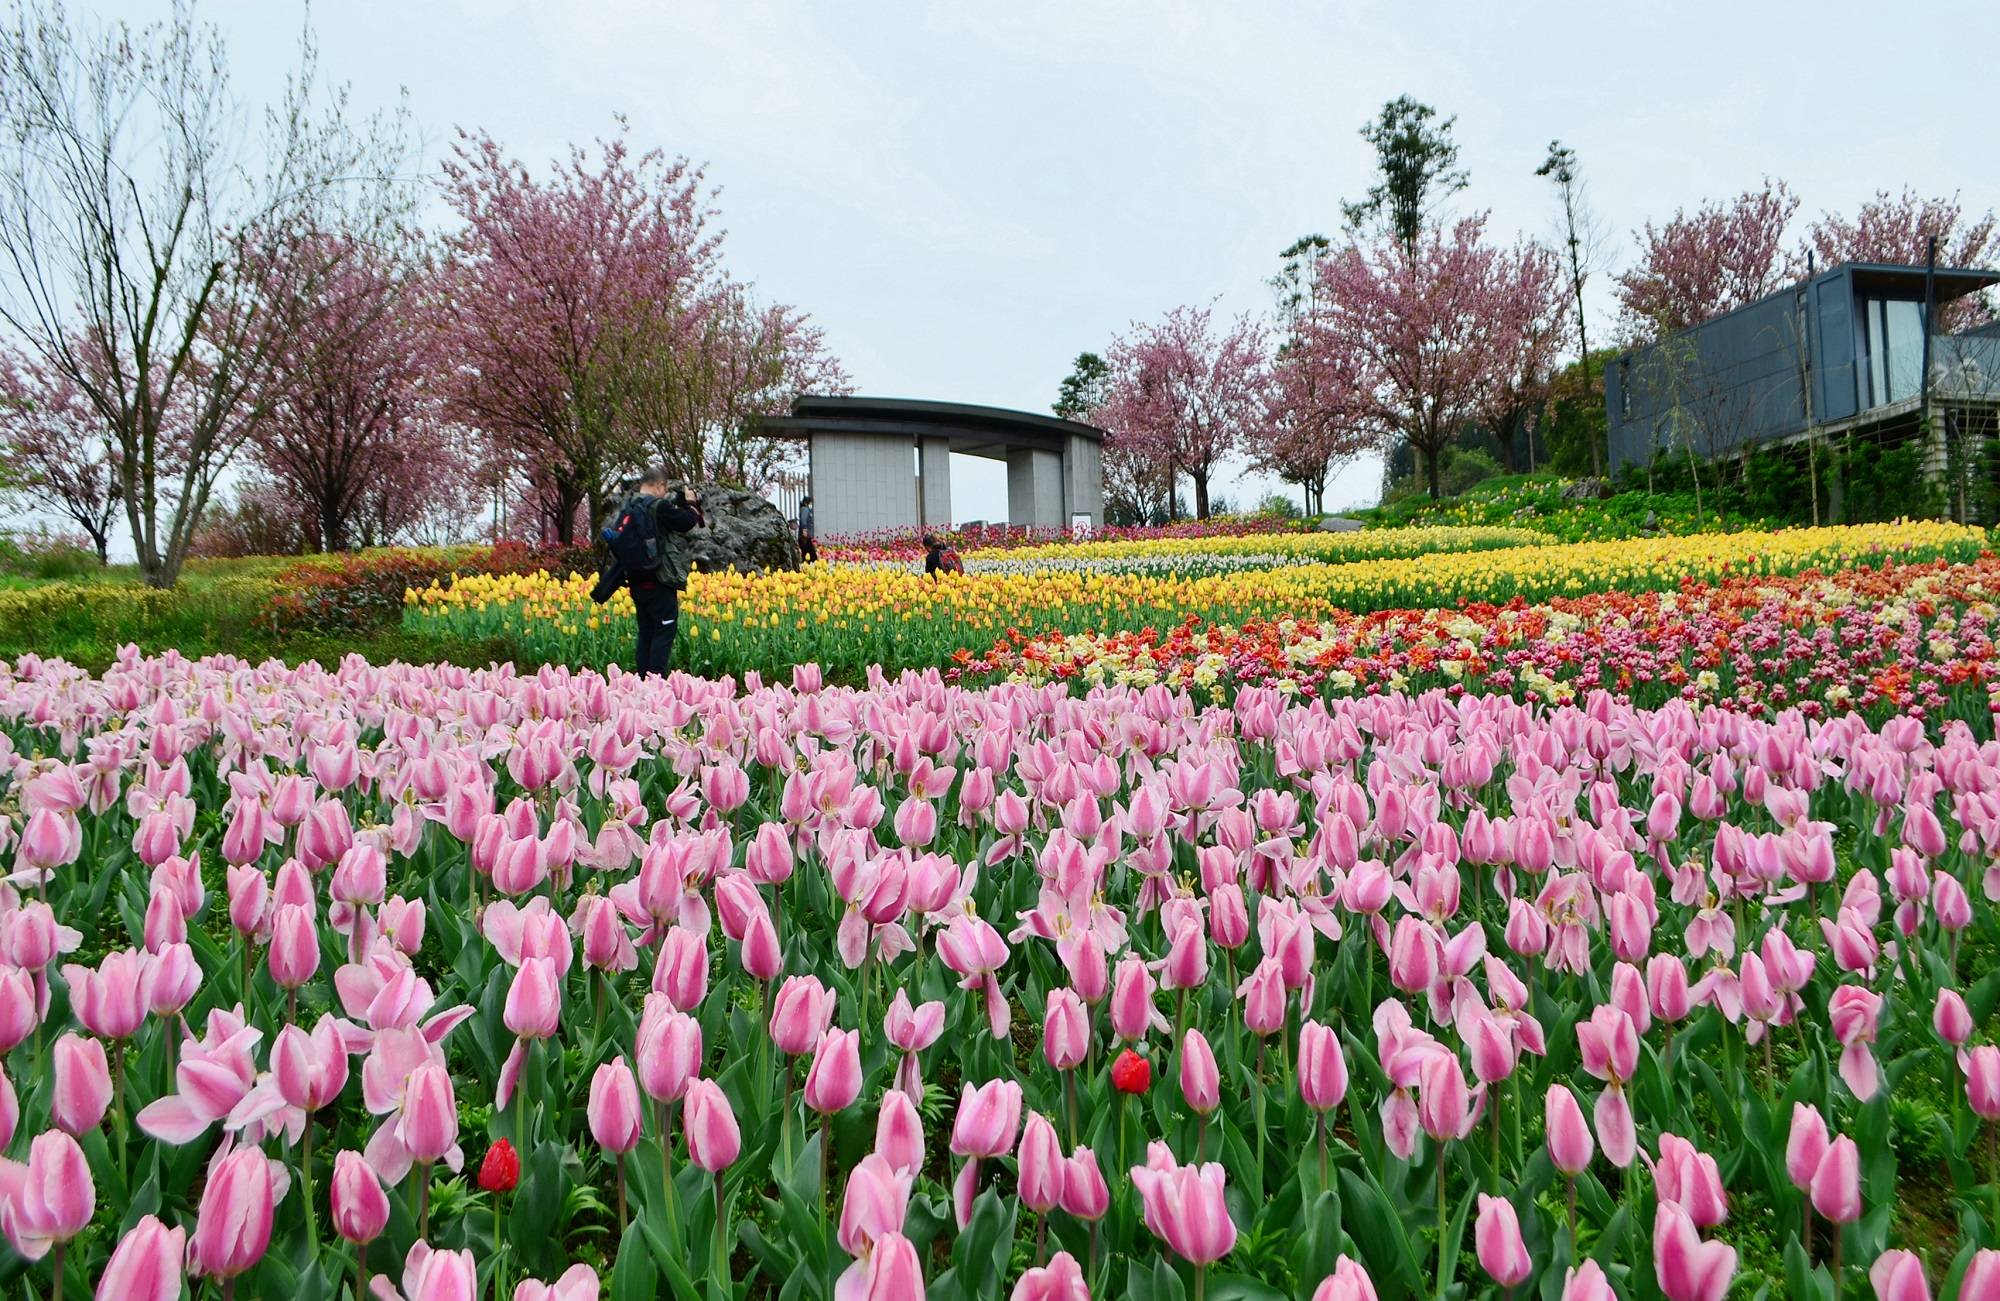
(1322, 1067)
(1496, 1236)
(1982, 1277)
(1836, 1185)
(834, 1079)
(892, 1273)
(249, 900)
(1982, 1081)
(1445, 1107)
(875, 1205)
(233, 1227)
(1687, 1268)
(760, 955)
(20, 1007)
(1570, 1144)
(614, 1108)
(1667, 988)
(1586, 1282)
(669, 1050)
(800, 1015)
(1898, 1275)
(1691, 1178)
(1201, 1081)
(1133, 1014)
(430, 1275)
(1263, 996)
(1494, 1052)
(10, 1111)
(113, 1000)
(1060, 1280)
(82, 1085)
(1065, 1030)
(294, 955)
(1805, 1146)
(145, 1265)
(710, 1123)
(48, 1200)
(989, 1117)
(578, 1283)
(310, 1069)
(681, 973)
(899, 1132)
(1852, 1013)
(1348, 1282)
(176, 980)
(429, 1122)
(533, 1009)
(1184, 1206)
(360, 1207)
(1041, 1165)
(1951, 1018)
(1085, 1194)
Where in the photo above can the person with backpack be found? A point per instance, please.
(939, 558)
(649, 551)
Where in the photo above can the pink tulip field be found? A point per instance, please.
(438, 984)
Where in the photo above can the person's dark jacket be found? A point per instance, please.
(933, 560)
(672, 515)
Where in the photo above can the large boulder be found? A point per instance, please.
(1587, 490)
(745, 532)
(1340, 524)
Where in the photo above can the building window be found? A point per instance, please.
(1895, 343)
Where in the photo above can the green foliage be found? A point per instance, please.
(1462, 469)
(1083, 389)
(1279, 504)
(1417, 161)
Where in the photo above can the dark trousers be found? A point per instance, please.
(658, 611)
(808, 550)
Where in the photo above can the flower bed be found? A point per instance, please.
(643, 988)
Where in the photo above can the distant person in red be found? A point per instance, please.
(939, 558)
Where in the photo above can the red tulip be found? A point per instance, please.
(500, 1170)
(1131, 1073)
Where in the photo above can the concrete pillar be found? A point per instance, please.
(935, 470)
(861, 482)
(1034, 488)
(1083, 482)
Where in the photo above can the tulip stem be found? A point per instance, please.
(1838, 1241)
(1441, 1230)
(1258, 1084)
(621, 1196)
(1200, 1281)
(499, 1282)
(721, 1235)
(1319, 1132)
(1041, 1236)
(424, 1200)
(306, 1178)
(1069, 1096)
(1570, 1200)
(61, 1250)
(1493, 1175)
(360, 1270)
(1993, 1171)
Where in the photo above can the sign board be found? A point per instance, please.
(1079, 524)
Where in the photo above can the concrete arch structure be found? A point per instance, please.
(884, 463)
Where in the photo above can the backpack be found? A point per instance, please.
(634, 537)
(949, 563)
(676, 560)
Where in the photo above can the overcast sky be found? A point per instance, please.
(967, 195)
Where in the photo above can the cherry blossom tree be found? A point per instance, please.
(1314, 422)
(352, 439)
(738, 362)
(1899, 228)
(1430, 334)
(1186, 395)
(145, 208)
(1542, 322)
(1699, 265)
(568, 304)
(56, 449)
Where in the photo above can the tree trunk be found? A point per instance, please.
(1431, 458)
(1200, 478)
